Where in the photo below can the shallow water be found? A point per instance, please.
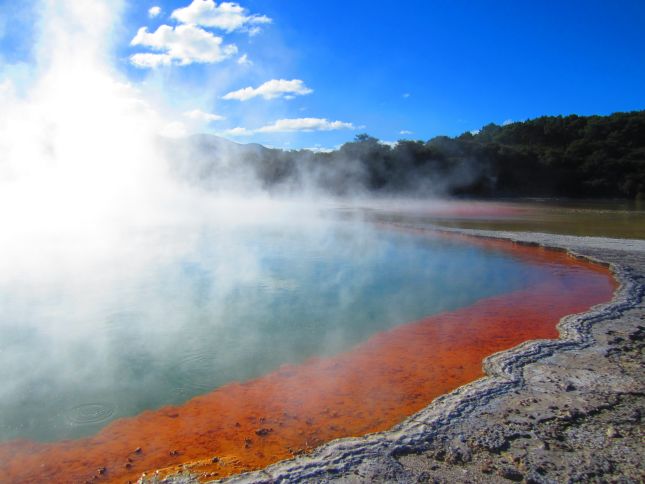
(175, 317)
(591, 218)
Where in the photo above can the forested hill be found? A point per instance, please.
(572, 156)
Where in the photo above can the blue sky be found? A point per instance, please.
(395, 70)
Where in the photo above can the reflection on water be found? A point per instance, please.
(594, 218)
(177, 317)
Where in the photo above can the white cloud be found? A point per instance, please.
(405, 131)
(181, 45)
(148, 60)
(507, 122)
(228, 16)
(272, 89)
(154, 12)
(304, 124)
(244, 60)
(290, 125)
(203, 117)
(406, 95)
(239, 131)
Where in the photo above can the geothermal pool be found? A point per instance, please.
(234, 347)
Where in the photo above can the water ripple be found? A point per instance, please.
(90, 413)
(200, 371)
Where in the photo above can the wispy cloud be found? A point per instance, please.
(183, 45)
(507, 122)
(203, 117)
(243, 60)
(235, 132)
(275, 88)
(291, 125)
(228, 16)
(304, 124)
(405, 131)
(154, 12)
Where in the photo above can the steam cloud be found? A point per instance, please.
(94, 218)
(100, 211)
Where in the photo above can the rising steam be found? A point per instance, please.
(77, 146)
(81, 160)
(98, 239)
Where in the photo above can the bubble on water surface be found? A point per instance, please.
(90, 413)
(200, 371)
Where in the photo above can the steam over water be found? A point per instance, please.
(123, 289)
(205, 305)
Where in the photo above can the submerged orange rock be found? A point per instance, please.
(244, 426)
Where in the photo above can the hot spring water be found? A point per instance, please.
(179, 312)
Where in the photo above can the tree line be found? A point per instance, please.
(551, 156)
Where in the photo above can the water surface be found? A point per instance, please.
(587, 218)
(173, 316)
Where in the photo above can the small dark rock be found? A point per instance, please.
(572, 414)
(263, 431)
(635, 415)
(612, 433)
(511, 474)
(532, 479)
(101, 470)
(458, 454)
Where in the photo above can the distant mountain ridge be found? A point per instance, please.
(551, 156)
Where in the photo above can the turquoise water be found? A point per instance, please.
(170, 317)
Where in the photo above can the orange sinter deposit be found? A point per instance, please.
(245, 426)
